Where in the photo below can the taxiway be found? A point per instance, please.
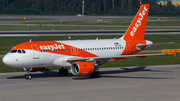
(144, 83)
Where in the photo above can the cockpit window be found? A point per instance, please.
(19, 51)
(23, 51)
(13, 51)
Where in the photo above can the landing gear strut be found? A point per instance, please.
(28, 75)
(96, 74)
(63, 72)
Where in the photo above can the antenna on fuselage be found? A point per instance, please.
(69, 38)
(30, 40)
(97, 38)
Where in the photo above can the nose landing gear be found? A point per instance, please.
(28, 75)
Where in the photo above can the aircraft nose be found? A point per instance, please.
(6, 60)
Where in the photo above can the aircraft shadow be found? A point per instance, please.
(48, 73)
(137, 77)
(126, 70)
(43, 74)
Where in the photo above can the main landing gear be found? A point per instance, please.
(96, 74)
(63, 72)
(28, 75)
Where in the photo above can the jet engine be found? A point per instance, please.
(33, 69)
(82, 68)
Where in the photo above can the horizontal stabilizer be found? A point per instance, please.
(156, 44)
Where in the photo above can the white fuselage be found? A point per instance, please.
(44, 58)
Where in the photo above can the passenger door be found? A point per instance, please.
(35, 52)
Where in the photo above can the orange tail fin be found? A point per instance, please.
(136, 30)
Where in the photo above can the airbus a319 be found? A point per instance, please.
(82, 56)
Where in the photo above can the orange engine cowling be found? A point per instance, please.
(82, 68)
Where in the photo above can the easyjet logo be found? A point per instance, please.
(51, 47)
(138, 22)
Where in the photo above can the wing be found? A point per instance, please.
(71, 60)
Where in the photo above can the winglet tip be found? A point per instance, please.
(174, 53)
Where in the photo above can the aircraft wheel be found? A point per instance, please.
(63, 72)
(96, 74)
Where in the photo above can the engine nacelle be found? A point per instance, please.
(34, 69)
(82, 68)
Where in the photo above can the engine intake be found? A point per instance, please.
(82, 68)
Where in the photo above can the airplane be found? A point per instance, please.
(82, 56)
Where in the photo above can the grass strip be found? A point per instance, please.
(40, 27)
(28, 19)
(125, 22)
(11, 27)
(7, 43)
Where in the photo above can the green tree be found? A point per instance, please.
(130, 5)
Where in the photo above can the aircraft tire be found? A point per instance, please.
(63, 72)
(28, 77)
(96, 74)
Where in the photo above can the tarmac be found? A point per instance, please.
(140, 83)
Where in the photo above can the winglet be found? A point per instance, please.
(174, 53)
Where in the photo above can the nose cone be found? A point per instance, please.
(6, 60)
